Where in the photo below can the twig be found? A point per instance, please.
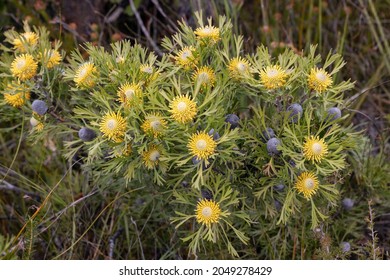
(139, 239)
(9, 187)
(144, 30)
(111, 242)
(67, 28)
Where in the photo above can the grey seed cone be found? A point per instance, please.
(347, 203)
(214, 134)
(39, 107)
(272, 145)
(87, 134)
(267, 134)
(206, 194)
(345, 247)
(279, 187)
(334, 113)
(295, 110)
(233, 119)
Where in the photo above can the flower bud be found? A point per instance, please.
(34, 122)
(206, 194)
(272, 145)
(267, 134)
(39, 107)
(345, 247)
(334, 113)
(279, 187)
(347, 203)
(233, 119)
(296, 112)
(214, 134)
(87, 134)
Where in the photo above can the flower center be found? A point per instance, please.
(111, 124)
(207, 212)
(155, 124)
(207, 30)
(203, 76)
(148, 70)
(309, 183)
(181, 106)
(272, 73)
(316, 148)
(241, 67)
(129, 93)
(201, 144)
(321, 77)
(83, 72)
(21, 63)
(185, 54)
(154, 155)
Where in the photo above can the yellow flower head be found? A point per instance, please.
(154, 125)
(183, 109)
(120, 152)
(185, 57)
(202, 145)
(129, 94)
(314, 148)
(86, 75)
(52, 58)
(151, 156)
(28, 39)
(319, 80)
(16, 94)
(273, 77)
(207, 212)
(204, 75)
(113, 126)
(208, 33)
(307, 184)
(24, 67)
(238, 67)
(146, 68)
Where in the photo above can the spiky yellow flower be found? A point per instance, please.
(315, 149)
(146, 68)
(273, 77)
(129, 94)
(39, 127)
(16, 94)
(52, 58)
(151, 156)
(238, 67)
(208, 33)
(29, 39)
(205, 76)
(113, 126)
(207, 212)
(120, 152)
(86, 75)
(154, 125)
(183, 109)
(185, 57)
(24, 67)
(202, 145)
(307, 184)
(319, 80)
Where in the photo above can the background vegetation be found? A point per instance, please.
(77, 220)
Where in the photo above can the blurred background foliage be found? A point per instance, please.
(77, 222)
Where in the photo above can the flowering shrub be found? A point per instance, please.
(239, 147)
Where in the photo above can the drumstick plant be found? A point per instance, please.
(237, 145)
